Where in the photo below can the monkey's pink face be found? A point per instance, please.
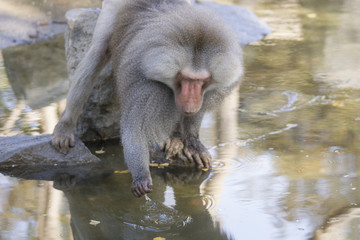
(189, 89)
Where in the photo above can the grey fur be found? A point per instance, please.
(153, 40)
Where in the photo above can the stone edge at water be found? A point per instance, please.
(37, 150)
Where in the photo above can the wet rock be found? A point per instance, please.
(23, 150)
(100, 118)
(33, 157)
(26, 22)
(247, 26)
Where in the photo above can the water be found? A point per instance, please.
(285, 147)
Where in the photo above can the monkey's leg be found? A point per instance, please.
(85, 77)
(194, 150)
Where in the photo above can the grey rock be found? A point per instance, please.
(100, 117)
(247, 26)
(27, 22)
(33, 157)
(37, 150)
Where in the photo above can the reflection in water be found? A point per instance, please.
(104, 208)
(38, 81)
(340, 65)
(285, 147)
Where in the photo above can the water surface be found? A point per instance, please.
(285, 145)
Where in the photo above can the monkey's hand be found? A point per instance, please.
(63, 137)
(64, 181)
(142, 186)
(173, 146)
(196, 152)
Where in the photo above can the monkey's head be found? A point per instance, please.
(192, 52)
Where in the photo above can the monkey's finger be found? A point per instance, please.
(149, 187)
(146, 188)
(141, 190)
(198, 161)
(182, 156)
(162, 146)
(66, 143)
(206, 163)
(54, 142)
(62, 149)
(64, 146)
(167, 145)
(188, 155)
(136, 192)
(206, 159)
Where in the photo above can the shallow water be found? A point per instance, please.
(285, 146)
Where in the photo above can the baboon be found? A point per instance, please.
(172, 63)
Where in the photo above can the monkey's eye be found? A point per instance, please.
(206, 83)
(178, 85)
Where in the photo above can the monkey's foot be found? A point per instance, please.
(173, 146)
(141, 187)
(63, 137)
(196, 152)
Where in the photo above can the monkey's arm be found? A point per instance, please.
(136, 153)
(141, 112)
(193, 149)
(85, 76)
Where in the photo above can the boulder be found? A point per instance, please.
(100, 117)
(34, 150)
(33, 157)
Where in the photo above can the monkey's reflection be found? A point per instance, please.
(105, 208)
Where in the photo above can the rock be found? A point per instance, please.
(100, 117)
(34, 150)
(247, 26)
(33, 157)
(27, 22)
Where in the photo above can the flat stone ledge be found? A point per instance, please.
(37, 150)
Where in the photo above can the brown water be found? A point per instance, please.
(285, 146)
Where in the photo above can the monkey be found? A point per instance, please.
(172, 63)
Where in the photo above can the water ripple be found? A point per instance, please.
(208, 202)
